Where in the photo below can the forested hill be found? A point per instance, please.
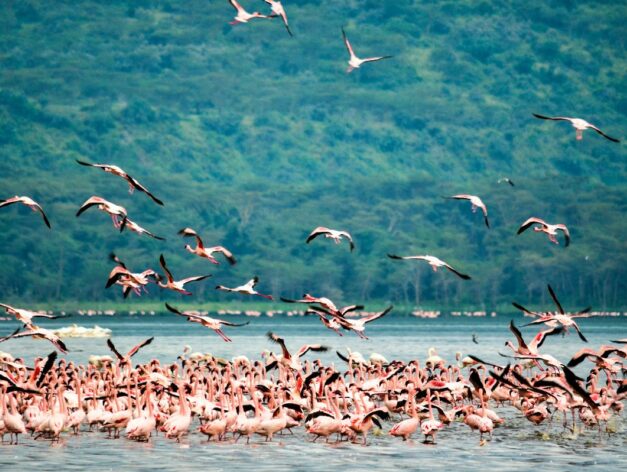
(253, 138)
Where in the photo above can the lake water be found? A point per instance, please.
(518, 445)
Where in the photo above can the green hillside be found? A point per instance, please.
(254, 138)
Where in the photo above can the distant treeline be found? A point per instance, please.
(254, 138)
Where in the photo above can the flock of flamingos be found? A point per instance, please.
(279, 392)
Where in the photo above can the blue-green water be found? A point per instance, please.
(517, 445)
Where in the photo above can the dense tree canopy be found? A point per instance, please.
(254, 138)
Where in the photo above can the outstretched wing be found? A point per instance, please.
(456, 272)
(375, 316)
(554, 297)
(133, 351)
(554, 118)
(165, 268)
(347, 44)
(317, 232)
(115, 351)
(530, 222)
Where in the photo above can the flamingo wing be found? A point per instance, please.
(459, 274)
(347, 44)
(564, 229)
(165, 268)
(133, 351)
(376, 316)
(530, 222)
(317, 232)
(554, 297)
(603, 134)
(554, 118)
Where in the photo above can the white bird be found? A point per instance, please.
(476, 202)
(115, 211)
(176, 285)
(206, 252)
(247, 289)
(206, 321)
(133, 184)
(134, 227)
(26, 316)
(38, 333)
(506, 179)
(29, 202)
(549, 230)
(579, 125)
(355, 62)
(434, 262)
(242, 15)
(331, 234)
(278, 10)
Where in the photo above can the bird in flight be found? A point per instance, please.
(29, 202)
(434, 262)
(579, 125)
(355, 62)
(549, 230)
(206, 252)
(133, 184)
(331, 234)
(476, 202)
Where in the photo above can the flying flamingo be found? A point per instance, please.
(476, 202)
(247, 289)
(278, 10)
(354, 62)
(133, 184)
(126, 359)
(579, 125)
(26, 316)
(206, 252)
(207, 322)
(434, 262)
(29, 202)
(294, 361)
(132, 226)
(176, 285)
(38, 333)
(331, 234)
(549, 230)
(242, 15)
(115, 211)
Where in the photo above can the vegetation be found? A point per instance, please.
(254, 138)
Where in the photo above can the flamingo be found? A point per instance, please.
(176, 285)
(434, 262)
(206, 252)
(247, 289)
(507, 180)
(355, 62)
(13, 422)
(29, 202)
(277, 9)
(133, 184)
(331, 234)
(126, 359)
(476, 202)
(38, 333)
(549, 230)
(115, 211)
(242, 15)
(579, 125)
(132, 226)
(207, 322)
(178, 423)
(26, 316)
(290, 361)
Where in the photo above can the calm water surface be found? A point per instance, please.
(517, 445)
